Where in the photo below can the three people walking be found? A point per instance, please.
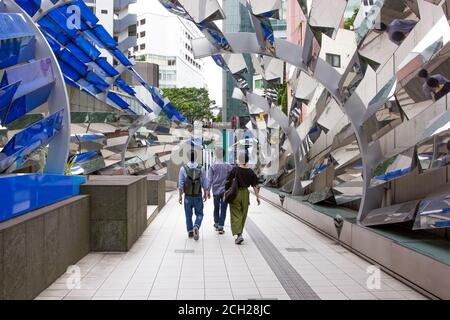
(192, 180)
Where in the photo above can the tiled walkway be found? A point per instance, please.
(164, 264)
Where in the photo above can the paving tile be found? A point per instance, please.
(218, 269)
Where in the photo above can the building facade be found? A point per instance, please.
(117, 20)
(165, 40)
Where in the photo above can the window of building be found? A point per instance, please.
(104, 11)
(142, 34)
(142, 47)
(143, 21)
(259, 84)
(172, 62)
(334, 60)
(136, 48)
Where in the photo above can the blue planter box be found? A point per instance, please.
(24, 193)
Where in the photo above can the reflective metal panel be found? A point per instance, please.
(393, 168)
(434, 211)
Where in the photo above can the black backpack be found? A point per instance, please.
(193, 185)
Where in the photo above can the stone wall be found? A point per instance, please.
(37, 248)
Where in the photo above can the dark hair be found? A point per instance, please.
(192, 155)
(398, 36)
(448, 145)
(423, 74)
(383, 27)
(432, 83)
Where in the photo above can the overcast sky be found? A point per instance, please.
(213, 73)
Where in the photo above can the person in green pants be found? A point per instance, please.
(246, 178)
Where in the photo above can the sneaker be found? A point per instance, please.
(216, 226)
(196, 233)
(239, 240)
(221, 231)
(191, 234)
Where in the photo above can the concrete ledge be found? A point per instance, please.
(156, 191)
(118, 211)
(430, 276)
(37, 248)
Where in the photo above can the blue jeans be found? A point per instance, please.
(220, 210)
(192, 204)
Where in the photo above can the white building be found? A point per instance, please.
(117, 20)
(165, 39)
(364, 9)
(338, 52)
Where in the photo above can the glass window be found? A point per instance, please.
(143, 21)
(334, 60)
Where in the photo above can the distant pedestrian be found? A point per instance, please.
(438, 90)
(245, 178)
(426, 88)
(217, 177)
(398, 29)
(192, 179)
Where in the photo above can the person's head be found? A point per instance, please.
(192, 155)
(433, 84)
(219, 153)
(423, 74)
(243, 157)
(398, 36)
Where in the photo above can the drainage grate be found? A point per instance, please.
(296, 250)
(296, 287)
(184, 251)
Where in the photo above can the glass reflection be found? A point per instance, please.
(433, 213)
(393, 168)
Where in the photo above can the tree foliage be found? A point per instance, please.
(283, 98)
(193, 103)
(348, 23)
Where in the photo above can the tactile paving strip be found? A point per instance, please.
(296, 287)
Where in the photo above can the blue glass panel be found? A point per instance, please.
(86, 14)
(77, 52)
(93, 78)
(66, 56)
(94, 38)
(69, 72)
(105, 37)
(27, 103)
(49, 26)
(62, 21)
(30, 7)
(121, 57)
(37, 135)
(92, 89)
(17, 42)
(53, 44)
(6, 95)
(125, 87)
(87, 47)
(25, 193)
(107, 67)
(72, 83)
(116, 99)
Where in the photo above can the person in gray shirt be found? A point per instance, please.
(217, 177)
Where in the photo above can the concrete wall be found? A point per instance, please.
(118, 211)
(37, 248)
